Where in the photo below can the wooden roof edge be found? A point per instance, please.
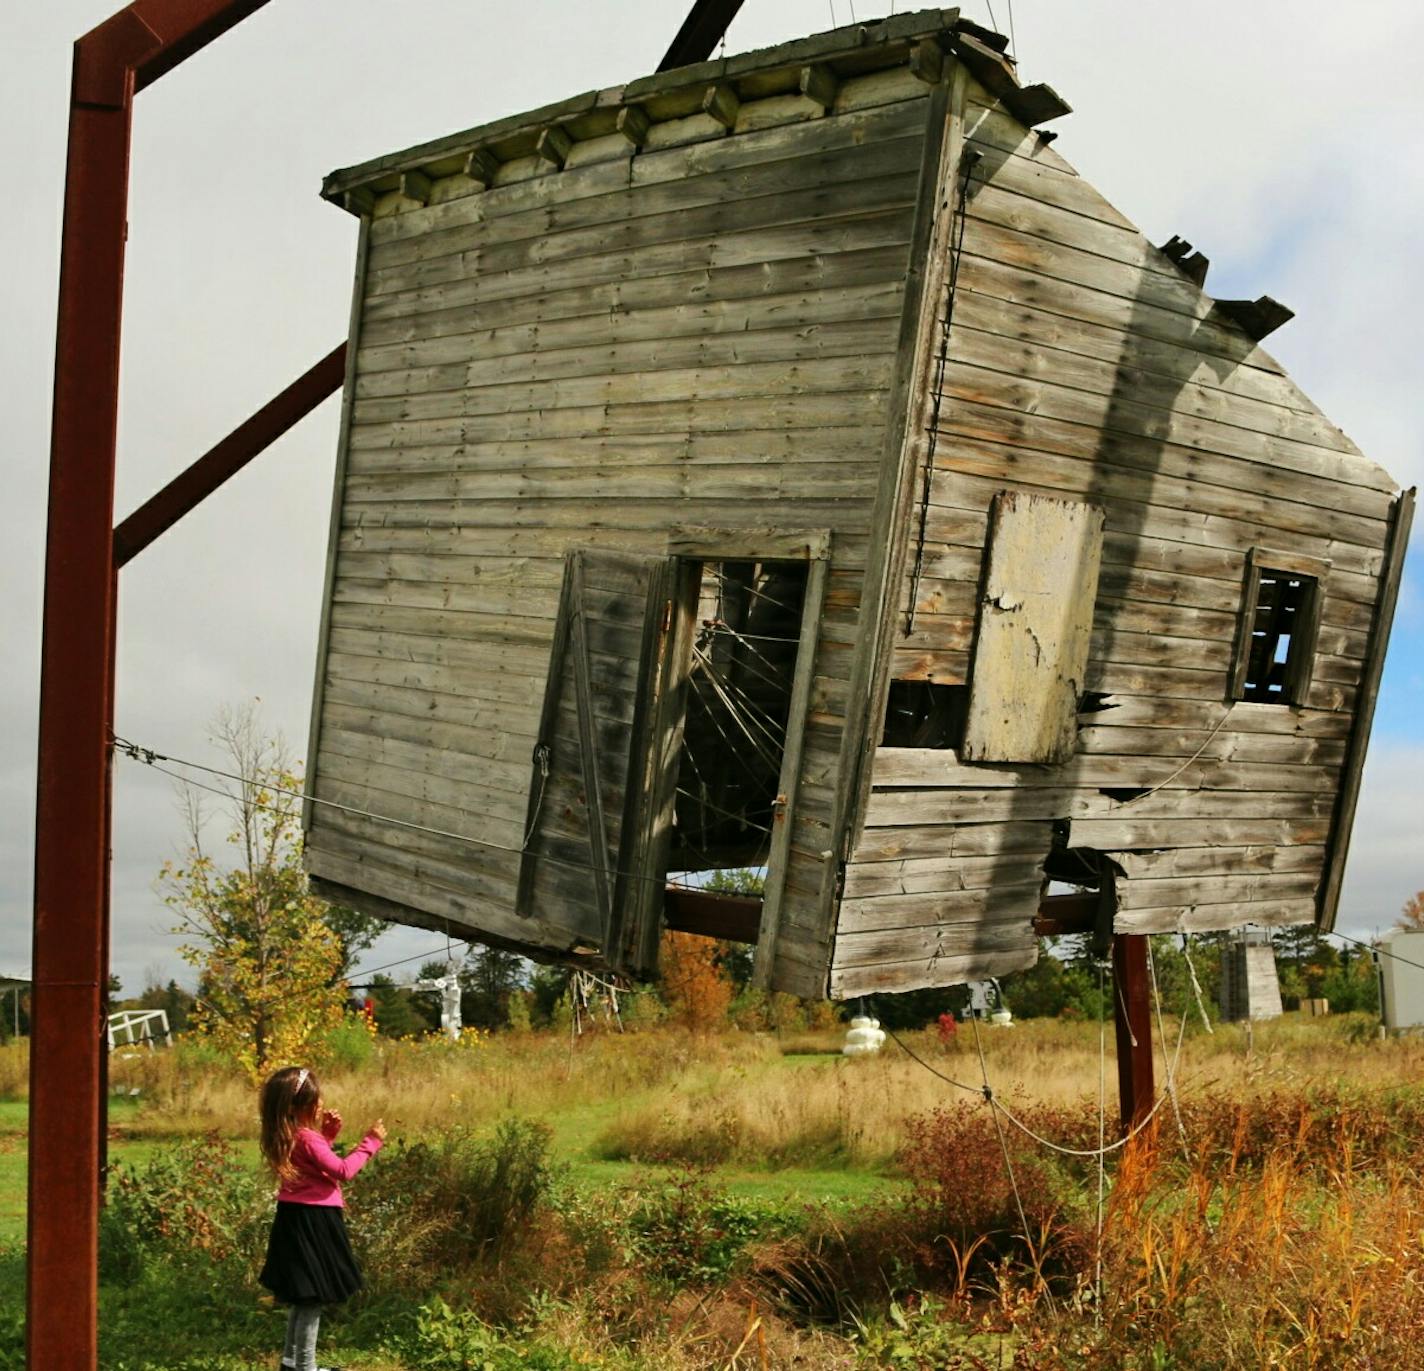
(982, 50)
(990, 65)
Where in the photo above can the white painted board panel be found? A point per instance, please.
(1035, 622)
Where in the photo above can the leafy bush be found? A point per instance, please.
(446, 1339)
(15, 1069)
(687, 1229)
(348, 1045)
(451, 1201)
(194, 1198)
(965, 1188)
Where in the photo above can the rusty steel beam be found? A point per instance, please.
(130, 49)
(735, 918)
(188, 490)
(1132, 1018)
(1062, 915)
(700, 33)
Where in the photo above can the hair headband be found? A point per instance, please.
(301, 1080)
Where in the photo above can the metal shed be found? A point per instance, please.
(789, 461)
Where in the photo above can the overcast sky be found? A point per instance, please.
(1276, 135)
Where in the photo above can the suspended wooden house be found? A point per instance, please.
(790, 462)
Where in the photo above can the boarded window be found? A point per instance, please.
(1280, 616)
(1036, 597)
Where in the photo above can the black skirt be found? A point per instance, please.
(309, 1257)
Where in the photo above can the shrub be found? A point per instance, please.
(348, 1045)
(446, 1339)
(194, 1198)
(686, 1228)
(695, 985)
(15, 1069)
(451, 1201)
(963, 1208)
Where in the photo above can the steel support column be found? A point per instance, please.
(72, 828)
(701, 31)
(1132, 1016)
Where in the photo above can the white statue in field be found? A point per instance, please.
(448, 988)
(986, 1001)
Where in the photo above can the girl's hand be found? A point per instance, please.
(330, 1124)
(378, 1129)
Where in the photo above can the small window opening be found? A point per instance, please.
(1274, 656)
(925, 714)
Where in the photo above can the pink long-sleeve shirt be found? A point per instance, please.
(320, 1171)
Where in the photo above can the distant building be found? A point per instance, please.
(1401, 978)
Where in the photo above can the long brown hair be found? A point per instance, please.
(289, 1100)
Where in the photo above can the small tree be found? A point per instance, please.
(398, 1011)
(268, 963)
(695, 988)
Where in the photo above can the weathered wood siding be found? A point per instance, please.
(1083, 363)
(698, 332)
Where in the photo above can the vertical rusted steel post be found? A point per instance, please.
(1132, 1016)
(72, 811)
(76, 675)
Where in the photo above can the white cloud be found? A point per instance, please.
(1386, 861)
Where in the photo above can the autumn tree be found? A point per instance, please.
(695, 987)
(269, 964)
(1411, 917)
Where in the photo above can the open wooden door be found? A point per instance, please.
(604, 767)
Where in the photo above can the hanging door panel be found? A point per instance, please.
(592, 853)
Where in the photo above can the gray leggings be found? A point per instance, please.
(303, 1320)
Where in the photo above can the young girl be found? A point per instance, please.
(309, 1259)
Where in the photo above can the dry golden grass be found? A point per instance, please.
(736, 1096)
(15, 1069)
(851, 1112)
(1288, 1231)
(425, 1086)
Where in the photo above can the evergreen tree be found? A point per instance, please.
(490, 978)
(398, 1011)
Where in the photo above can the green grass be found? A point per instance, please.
(576, 1131)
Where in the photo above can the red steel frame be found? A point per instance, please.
(84, 551)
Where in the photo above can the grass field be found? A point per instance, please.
(719, 1201)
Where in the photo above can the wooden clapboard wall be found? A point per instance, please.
(1082, 362)
(685, 322)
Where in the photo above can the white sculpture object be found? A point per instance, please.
(864, 1038)
(448, 988)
